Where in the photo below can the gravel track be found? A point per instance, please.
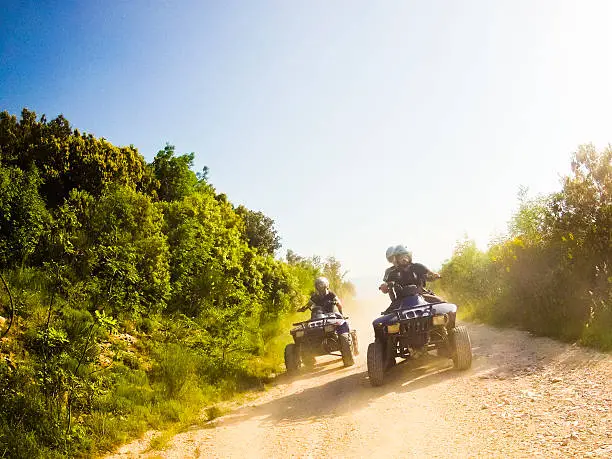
(523, 397)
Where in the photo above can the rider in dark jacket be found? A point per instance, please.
(404, 273)
(323, 299)
(390, 254)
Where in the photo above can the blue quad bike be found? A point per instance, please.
(324, 333)
(410, 328)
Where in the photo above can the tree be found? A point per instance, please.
(120, 253)
(174, 175)
(66, 159)
(23, 215)
(259, 231)
(531, 220)
(141, 283)
(332, 269)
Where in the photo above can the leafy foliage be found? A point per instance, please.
(259, 231)
(173, 174)
(552, 274)
(140, 293)
(23, 215)
(66, 159)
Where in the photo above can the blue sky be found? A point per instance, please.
(354, 124)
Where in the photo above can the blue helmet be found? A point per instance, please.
(390, 253)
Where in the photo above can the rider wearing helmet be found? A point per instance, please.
(405, 272)
(323, 299)
(390, 254)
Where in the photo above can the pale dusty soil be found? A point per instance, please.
(523, 397)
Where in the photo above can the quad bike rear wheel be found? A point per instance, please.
(462, 348)
(355, 342)
(346, 348)
(376, 363)
(292, 358)
(309, 360)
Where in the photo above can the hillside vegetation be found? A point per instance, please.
(552, 273)
(134, 293)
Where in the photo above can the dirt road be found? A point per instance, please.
(523, 397)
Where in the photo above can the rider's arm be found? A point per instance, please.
(388, 272)
(431, 275)
(424, 272)
(307, 306)
(339, 304)
(384, 287)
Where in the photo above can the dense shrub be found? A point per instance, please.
(552, 273)
(140, 294)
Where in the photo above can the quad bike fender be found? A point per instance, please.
(445, 308)
(344, 328)
(384, 320)
(380, 323)
(449, 309)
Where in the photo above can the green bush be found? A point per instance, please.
(141, 294)
(552, 273)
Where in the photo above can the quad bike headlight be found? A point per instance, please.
(299, 333)
(440, 320)
(329, 328)
(394, 328)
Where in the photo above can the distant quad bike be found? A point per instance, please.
(410, 328)
(324, 333)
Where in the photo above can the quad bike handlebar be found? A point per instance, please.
(304, 308)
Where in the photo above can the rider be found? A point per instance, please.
(405, 272)
(323, 299)
(390, 254)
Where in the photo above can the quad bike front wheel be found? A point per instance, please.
(376, 363)
(346, 348)
(462, 348)
(444, 352)
(292, 358)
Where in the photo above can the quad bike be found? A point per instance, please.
(324, 333)
(410, 328)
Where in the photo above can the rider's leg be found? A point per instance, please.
(393, 306)
(432, 298)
